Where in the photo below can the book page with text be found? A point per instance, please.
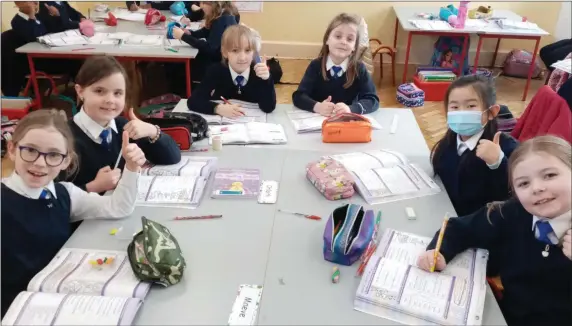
(171, 190)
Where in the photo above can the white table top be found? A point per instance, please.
(406, 13)
(255, 244)
(116, 50)
(408, 132)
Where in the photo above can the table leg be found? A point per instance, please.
(409, 34)
(463, 55)
(531, 69)
(188, 73)
(395, 33)
(496, 52)
(479, 45)
(34, 77)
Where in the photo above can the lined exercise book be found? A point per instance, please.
(252, 113)
(383, 176)
(249, 133)
(66, 38)
(304, 121)
(179, 185)
(72, 291)
(392, 287)
(236, 183)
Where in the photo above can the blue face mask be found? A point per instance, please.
(465, 123)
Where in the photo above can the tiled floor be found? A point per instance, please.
(431, 117)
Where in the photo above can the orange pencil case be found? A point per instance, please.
(346, 128)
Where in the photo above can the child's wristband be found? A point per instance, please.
(154, 139)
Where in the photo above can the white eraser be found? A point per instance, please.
(410, 213)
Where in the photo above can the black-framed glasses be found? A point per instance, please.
(31, 155)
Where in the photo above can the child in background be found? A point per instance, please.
(59, 16)
(98, 126)
(195, 12)
(218, 17)
(36, 222)
(159, 5)
(531, 233)
(239, 77)
(337, 81)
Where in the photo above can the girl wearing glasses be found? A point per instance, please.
(36, 211)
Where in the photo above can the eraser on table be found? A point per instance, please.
(410, 213)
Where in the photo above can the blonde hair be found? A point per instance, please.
(233, 37)
(353, 63)
(218, 7)
(46, 118)
(550, 145)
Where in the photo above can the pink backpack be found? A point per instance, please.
(517, 64)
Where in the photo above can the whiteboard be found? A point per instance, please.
(562, 29)
(248, 6)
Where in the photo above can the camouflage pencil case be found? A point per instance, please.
(155, 255)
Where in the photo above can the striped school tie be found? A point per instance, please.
(336, 70)
(104, 136)
(543, 230)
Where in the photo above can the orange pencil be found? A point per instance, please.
(439, 242)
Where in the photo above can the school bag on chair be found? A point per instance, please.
(447, 54)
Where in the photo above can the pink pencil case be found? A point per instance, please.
(330, 178)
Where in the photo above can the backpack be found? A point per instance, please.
(517, 64)
(184, 127)
(275, 69)
(447, 53)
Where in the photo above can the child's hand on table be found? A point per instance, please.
(229, 110)
(341, 108)
(138, 129)
(566, 244)
(425, 261)
(489, 151)
(325, 107)
(133, 155)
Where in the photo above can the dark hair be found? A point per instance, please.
(354, 59)
(486, 91)
(97, 68)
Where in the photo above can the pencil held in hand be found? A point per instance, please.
(439, 242)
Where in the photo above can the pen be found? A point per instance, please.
(439, 242)
(311, 217)
(227, 102)
(172, 50)
(83, 49)
(370, 249)
(204, 217)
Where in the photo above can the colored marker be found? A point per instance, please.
(203, 217)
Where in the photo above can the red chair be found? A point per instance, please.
(546, 114)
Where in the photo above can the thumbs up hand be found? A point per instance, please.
(132, 154)
(138, 129)
(325, 108)
(489, 151)
(261, 69)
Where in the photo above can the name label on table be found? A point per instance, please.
(246, 305)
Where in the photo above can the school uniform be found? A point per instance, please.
(537, 287)
(159, 5)
(98, 147)
(28, 29)
(36, 224)
(69, 17)
(222, 80)
(361, 96)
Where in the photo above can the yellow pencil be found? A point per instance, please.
(439, 241)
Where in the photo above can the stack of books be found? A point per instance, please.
(435, 74)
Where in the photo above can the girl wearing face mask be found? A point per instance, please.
(530, 233)
(98, 126)
(337, 81)
(36, 211)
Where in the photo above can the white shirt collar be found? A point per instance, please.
(15, 182)
(26, 17)
(58, 2)
(330, 63)
(559, 224)
(92, 128)
(470, 144)
(244, 74)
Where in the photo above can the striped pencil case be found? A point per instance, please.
(410, 95)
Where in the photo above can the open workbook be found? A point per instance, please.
(75, 290)
(304, 121)
(392, 287)
(383, 176)
(179, 184)
(252, 113)
(249, 133)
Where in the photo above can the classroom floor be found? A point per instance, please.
(431, 117)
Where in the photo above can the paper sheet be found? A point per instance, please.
(429, 25)
(168, 189)
(304, 121)
(564, 65)
(188, 166)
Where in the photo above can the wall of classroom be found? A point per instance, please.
(295, 29)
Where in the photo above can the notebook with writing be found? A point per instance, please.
(74, 289)
(252, 113)
(249, 133)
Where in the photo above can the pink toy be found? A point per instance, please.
(462, 15)
(87, 28)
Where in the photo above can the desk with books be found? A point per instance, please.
(256, 244)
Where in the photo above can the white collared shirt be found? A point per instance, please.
(330, 63)
(244, 74)
(471, 143)
(26, 17)
(92, 128)
(559, 224)
(84, 205)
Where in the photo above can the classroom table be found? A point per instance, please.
(256, 244)
(122, 53)
(407, 132)
(492, 30)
